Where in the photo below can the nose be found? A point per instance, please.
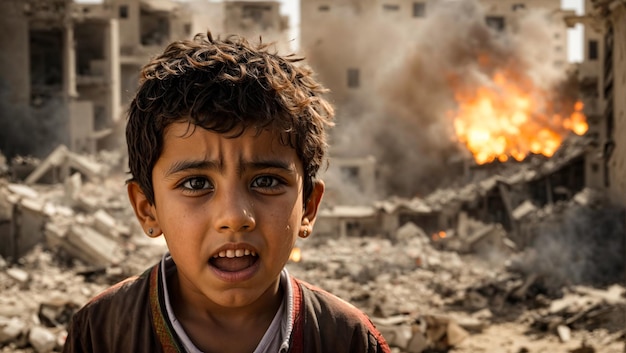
(233, 212)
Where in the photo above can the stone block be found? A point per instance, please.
(30, 221)
(90, 246)
(42, 339)
(105, 224)
(10, 329)
(19, 275)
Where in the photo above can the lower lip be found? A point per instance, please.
(238, 276)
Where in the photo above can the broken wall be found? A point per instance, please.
(617, 163)
(14, 76)
(127, 13)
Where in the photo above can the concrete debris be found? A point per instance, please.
(61, 160)
(107, 225)
(421, 333)
(524, 209)
(11, 329)
(42, 339)
(447, 272)
(20, 276)
(56, 312)
(564, 332)
(441, 333)
(389, 284)
(90, 246)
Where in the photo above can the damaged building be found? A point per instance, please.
(60, 76)
(69, 68)
(524, 197)
(352, 77)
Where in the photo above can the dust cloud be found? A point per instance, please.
(31, 130)
(582, 245)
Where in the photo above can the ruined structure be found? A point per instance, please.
(60, 75)
(335, 36)
(612, 89)
(601, 77)
(68, 69)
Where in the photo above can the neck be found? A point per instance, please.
(195, 306)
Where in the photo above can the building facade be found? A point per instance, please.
(59, 74)
(343, 40)
(602, 77)
(68, 69)
(613, 92)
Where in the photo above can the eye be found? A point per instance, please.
(266, 181)
(196, 183)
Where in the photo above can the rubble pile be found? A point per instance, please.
(466, 289)
(428, 300)
(63, 243)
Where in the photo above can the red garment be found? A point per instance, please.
(131, 317)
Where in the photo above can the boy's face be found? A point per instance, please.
(230, 210)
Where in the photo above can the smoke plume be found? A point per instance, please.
(404, 121)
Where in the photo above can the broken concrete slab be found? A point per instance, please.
(56, 312)
(441, 332)
(91, 169)
(564, 332)
(23, 191)
(524, 209)
(72, 188)
(11, 329)
(54, 160)
(396, 335)
(64, 160)
(107, 225)
(90, 246)
(42, 339)
(19, 275)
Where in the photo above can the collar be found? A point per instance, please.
(171, 343)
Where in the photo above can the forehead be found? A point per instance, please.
(184, 140)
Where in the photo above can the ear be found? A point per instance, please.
(144, 210)
(312, 205)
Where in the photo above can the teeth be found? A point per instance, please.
(230, 253)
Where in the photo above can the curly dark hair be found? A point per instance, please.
(227, 86)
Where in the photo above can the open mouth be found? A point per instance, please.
(234, 260)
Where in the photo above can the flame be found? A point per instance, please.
(439, 235)
(296, 255)
(512, 118)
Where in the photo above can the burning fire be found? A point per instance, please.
(296, 255)
(512, 119)
(439, 235)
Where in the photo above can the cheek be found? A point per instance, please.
(177, 221)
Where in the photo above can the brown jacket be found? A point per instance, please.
(131, 317)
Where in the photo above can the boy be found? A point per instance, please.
(224, 142)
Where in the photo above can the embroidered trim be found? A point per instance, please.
(161, 328)
(297, 340)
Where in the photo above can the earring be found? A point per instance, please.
(305, 232)
(150, 231)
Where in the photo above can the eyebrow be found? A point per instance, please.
(180, 166)
(267, 164)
